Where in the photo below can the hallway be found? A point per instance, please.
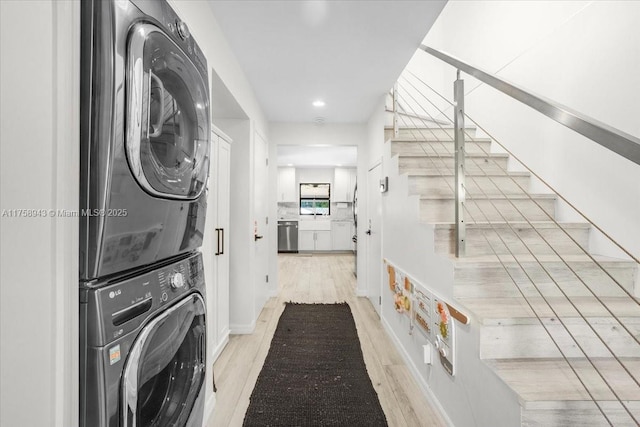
(315, 279)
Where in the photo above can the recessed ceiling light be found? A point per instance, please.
(318, 103)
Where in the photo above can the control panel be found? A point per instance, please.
(181, 31)
(118, 308)
(174, 25)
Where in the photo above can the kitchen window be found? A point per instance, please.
(315, 199)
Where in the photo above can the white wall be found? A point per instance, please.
(585, 55)
(372, 155)
(40, 167)
(205, 29)
(312, 134)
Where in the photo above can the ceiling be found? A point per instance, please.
(347, 53)
(317, 155)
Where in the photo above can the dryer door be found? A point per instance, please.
(167, 135)
(163, 378)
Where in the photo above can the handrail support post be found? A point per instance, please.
(395, 110)
(460, 228)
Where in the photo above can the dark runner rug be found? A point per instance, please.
(314, 373)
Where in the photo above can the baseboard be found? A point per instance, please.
(221, 345)
(362, 293)
(422, 383)
(273, 293)
(242, 329)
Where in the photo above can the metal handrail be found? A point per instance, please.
(622, 143)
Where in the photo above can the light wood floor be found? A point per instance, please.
(319, 278)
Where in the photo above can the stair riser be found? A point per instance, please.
(476, 185)
(437, 147)
(532, 341)
(487, 242)
(446, 165)
(552, 379)
(498, 282)
(488, 210)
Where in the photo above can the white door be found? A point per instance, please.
(260, 203)
(223, 194)
(373, 236)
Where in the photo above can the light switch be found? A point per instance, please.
(427, 352)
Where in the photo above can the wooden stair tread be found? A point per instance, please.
(488, 260)
(402, 139)
(494, 310)
(488, 174)
(451, 155)
(514, 196)
(516, 225)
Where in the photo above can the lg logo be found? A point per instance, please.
(115, 293)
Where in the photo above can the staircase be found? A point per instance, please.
(555, 326)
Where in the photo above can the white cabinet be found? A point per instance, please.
(287, 191)
(341, 234)
(314, 240)
(323, 240)
(344, 180)
(306, 240)
(215, 248)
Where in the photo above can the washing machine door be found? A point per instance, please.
(163, 378)
(167, 129)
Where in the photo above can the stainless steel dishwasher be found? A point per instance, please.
(288, 236)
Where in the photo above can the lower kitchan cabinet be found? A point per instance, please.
(313, 240)
(341, 235)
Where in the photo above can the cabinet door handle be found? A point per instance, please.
(222, 232)
(218, 242)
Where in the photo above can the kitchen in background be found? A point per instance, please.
(330, 231)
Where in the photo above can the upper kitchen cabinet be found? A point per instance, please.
(287, 185)
(344, 180)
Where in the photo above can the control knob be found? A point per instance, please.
(176, 280)
(183, 30)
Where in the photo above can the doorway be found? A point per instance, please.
(373, 233)
(260, 209)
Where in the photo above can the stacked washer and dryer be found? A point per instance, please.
(145, 139)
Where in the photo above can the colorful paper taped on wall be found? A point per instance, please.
(392, 277)
(407, 284)
(401, 302)
(423, 323)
